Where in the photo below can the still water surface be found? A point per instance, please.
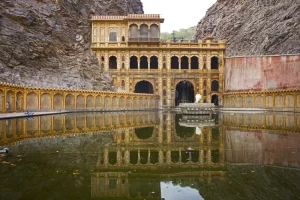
(151, 155)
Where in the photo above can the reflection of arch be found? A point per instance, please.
(144, 87)
(153, 62)
(184, 92)
(144, 32)
(194, 62)
(143, 62)
(154, 32)
(32, 101)
(133, 62)
(112, 62)
(112, 158)
(45, 101)
(133, 31)
(58, 102)
(184, 62)
(215, 99)
(144, 133)
(70, 104)
(215, 86)
(133, 157)
(214, 63)
(174, 62)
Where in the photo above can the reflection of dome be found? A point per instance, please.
(144, 133)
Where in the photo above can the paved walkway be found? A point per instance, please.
(22, 114)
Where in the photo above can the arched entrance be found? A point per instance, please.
(215, 99)
(144, 87)
(184, 92)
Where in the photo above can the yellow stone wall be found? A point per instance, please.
(164, 78)
(281, 100)
(20, 98)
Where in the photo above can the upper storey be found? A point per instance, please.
(140, 31)
(131, 28)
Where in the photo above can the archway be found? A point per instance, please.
(144, 87)
(194, 62)
(184, 92)
(144, 133)
(184, 62)
(153, 62)
(133, 62)
(133, 32)
(143, 62)
(113, 62)
(215, 99)
(144, 32)
(215, 86)
(154, 32)
(214, 63)
(174, 63)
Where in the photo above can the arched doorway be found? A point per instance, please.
(113, 62)
(143, 62)
(174, 63)
(215, 86)
(214, 63)
(133, 62)
(215, 99)
(144, 87)
(184, 92)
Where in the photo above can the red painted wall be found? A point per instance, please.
(262, 73)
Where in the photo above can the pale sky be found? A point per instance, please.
(178, 14)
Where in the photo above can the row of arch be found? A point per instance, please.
(17, 101)
(144, 63)
(263, 101)
(144, 32)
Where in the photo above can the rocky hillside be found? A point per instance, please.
(254, 27)
(46, 44)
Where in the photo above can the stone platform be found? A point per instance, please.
(197, 108)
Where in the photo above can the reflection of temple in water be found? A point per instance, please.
(147, 148)
(138, 158)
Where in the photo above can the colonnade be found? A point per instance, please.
(285, 100)
(19, 98)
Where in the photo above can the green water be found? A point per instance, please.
(151, 155)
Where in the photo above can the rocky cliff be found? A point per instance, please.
(254, 27)
(46, 43)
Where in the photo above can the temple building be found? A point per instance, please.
(130, 48)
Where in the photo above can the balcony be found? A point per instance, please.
(155, 40)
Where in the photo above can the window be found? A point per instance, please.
(113, 36)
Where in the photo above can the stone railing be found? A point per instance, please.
(15, 98)
(281, 100)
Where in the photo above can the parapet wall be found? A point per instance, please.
(20, 98)
(271, 82)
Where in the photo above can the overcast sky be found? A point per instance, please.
(178, 14)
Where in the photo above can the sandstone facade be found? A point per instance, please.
(47, 44)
